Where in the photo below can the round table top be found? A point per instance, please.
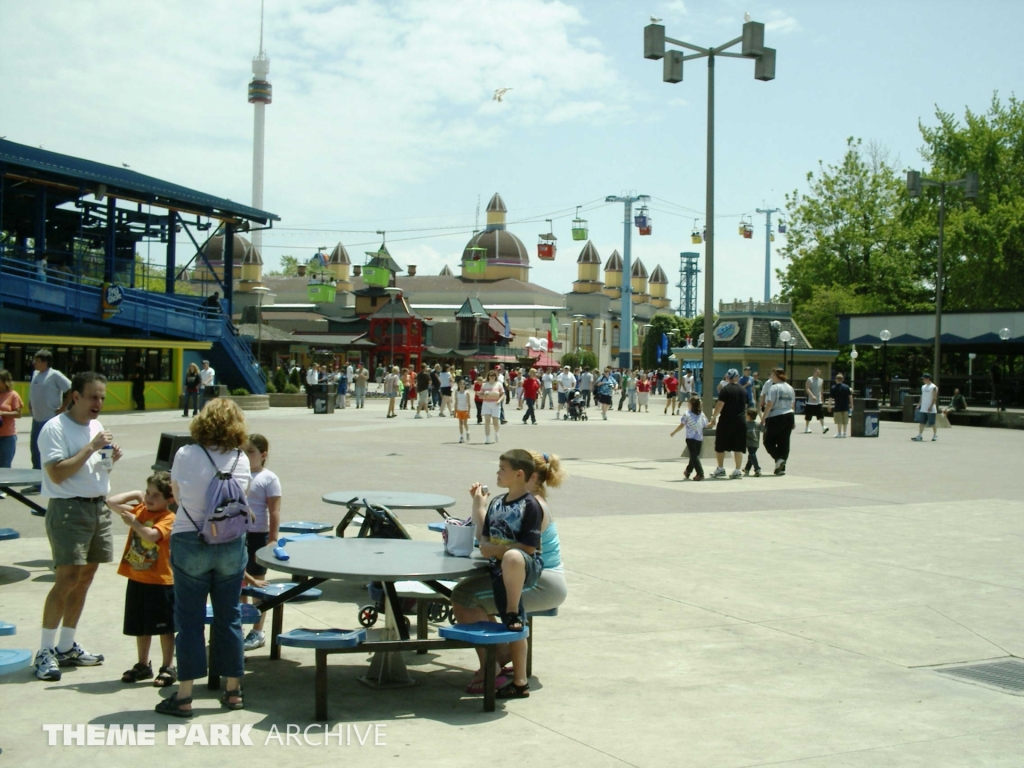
(390, 499)
(21, 476)
(374, 559)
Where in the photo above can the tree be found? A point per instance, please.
(289, 267)
(584, 359)
(984, 241)
(661, 324)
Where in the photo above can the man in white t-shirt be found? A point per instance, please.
(566, 383)
(547, 383)
(207, 378)
(928, 409)
(814, 408)
(77, 456)
(312, 379)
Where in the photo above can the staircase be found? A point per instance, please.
(174, 317)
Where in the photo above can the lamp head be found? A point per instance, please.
(913, 184)
(785, 337)
(776, 325)
(1004, 334)
(971, 186)
(885, 335)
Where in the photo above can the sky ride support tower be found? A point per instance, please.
(259, 96)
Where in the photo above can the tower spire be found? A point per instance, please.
(260, 93)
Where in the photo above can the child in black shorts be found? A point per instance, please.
(149, 599)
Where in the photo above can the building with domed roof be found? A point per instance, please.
(494, 273)
(248, 263)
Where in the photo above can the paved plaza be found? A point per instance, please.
(800, 620)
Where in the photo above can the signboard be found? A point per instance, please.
(298, 349)
(112, 297)
(871, 425)
(726, 331)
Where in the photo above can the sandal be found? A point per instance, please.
(168, 676)
(226, 697)
(513, 622)
(172, 706)
(139, 672)
(477, 686)
(513, 691)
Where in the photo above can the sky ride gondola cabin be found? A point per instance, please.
(643, 221)
(579, 226)
(321, 288)
(476, 262)
(782, 227)
(546, 247)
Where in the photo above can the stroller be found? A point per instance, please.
(575, 408)
(379, 522)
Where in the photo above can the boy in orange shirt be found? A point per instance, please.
(149, 599)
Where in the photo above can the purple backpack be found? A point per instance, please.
(227, 510)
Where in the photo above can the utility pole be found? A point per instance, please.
(767, 251)
(626, 324)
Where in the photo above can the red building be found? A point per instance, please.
(400, 335)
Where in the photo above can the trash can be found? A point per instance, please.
(910, 403)
(169, 444)
(800, 405)
(323, 397)
(865, 417)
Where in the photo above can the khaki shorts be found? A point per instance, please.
(79, 532)
(842, 418)
(549, 592)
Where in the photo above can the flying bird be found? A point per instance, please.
(125, 165)
(655, 20)
(499, 93)
(746, 15)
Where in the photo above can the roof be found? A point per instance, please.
(589, 255)
(397, 309)
(279, 316)
(269, 333)
(333, 339)
(659, 276)
(502, 247)
(87, 175)
(542, 359)
(447, 271)
(614, 263)
(471, 308)
(461, 288)
(339, 255)
(244, 253)
(497, 205)
(639, 270)
(382, 258)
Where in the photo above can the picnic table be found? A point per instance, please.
(393, 500)
(319, 559)
(22, 477)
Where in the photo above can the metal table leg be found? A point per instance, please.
(387, 668)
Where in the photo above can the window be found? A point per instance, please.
(588, 334)
(615, 335)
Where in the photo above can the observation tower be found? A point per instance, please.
(259, 96)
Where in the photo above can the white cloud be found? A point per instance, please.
(781, 23)
(674, 9)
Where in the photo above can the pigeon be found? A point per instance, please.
(125, 165)
(746, 16)
(499, 93)
(655, 20)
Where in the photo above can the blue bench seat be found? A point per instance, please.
(14, 660)
(322, 641)
(304, 526)
(488, 634)
(6, 534)
(274, 590)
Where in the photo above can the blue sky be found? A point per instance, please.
(383, 119)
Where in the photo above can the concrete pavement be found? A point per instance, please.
(774, 621)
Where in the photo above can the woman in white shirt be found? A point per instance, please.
(204, 570)
(492, 393)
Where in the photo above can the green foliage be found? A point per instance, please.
(294, 379)
(280, 379)
(584, 359)
(818, 315)
(984, 240)
(271, 389)
(240, 392)
(291, 389)
(289, 267)
(676, 328)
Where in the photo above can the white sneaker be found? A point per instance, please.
(934, 438)
(737, 474)
(46, 665)
(917, 439)
(460, 439)
(255, 639)
(77, 656)
(719, 472)
(417, 416)
(807, 431)
(487, 441)
(495, 437)
(838, 435)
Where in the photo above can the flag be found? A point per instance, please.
(636, 336)
(663, 351)
(553, 329)
(508, 328)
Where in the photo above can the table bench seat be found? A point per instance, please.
(273, 590)
(6, 534)
(303, 526)
(14, 660)
(490, 635)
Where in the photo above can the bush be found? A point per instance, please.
(291, 389)
(585, 359)
(271, 389)
(280, 379)
(240, 392)
(294, 380)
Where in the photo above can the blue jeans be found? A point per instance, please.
(37, 427)
(7, 446)
(202, 570)
(191, 397)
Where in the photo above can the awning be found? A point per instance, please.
(542, 359)
(494, 358)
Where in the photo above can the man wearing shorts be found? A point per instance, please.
(671, 387)
(814, 409)
(730, 424)
(566, 384)
(840, 405)
(928, 409)
(77, 521)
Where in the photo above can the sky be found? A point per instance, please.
(383, 116)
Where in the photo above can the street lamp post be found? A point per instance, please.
(626, 294)
(970, 373)
(885, 336)
(1004, 334)
(785, 337)
(392, 292)
(753, 47)
(915, 183)
(854, 354)
(260, 291)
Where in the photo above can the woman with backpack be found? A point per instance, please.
(208, 554)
